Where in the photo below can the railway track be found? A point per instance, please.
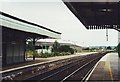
(75, 71)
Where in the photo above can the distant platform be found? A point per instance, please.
(106, 69)
(38, 61)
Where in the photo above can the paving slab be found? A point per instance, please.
(107, 69)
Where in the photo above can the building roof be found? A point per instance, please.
(13, 22)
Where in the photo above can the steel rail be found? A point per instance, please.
(63, 69)
(67, 68)
(78, 69)
(57, 73)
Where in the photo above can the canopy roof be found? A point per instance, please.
(12, 22)
(96, 15)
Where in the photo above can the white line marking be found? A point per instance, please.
(87, 74)
(102, 59)
(77, 70)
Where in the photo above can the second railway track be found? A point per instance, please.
(75, 71)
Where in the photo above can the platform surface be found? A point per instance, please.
(107, 69)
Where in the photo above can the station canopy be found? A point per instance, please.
(12, 22)
(95, 14)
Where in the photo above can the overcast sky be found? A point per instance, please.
(56, 16)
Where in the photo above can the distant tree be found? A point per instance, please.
(72, 50)
(100, 47)
(66, 48)
(115, 48)
(29, 46)
(109, 48)
(47, 47)
(86, 49)
(55, 47)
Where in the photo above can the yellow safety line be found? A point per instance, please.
(110, 70)
(109, 67)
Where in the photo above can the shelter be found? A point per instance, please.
(102, 14)
(15, 32)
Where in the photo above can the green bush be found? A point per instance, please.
(37, 55)
(62, 53)
(56, 53)
(46, 54)
(29, 53)
(30, 56)
(71, 51)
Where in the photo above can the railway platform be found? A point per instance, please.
(30, 62)
(107, 69)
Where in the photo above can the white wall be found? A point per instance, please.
(45, 50)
